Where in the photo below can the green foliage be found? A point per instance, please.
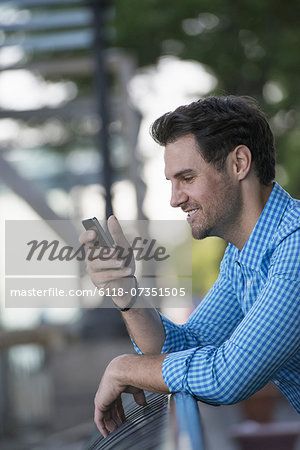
(246, 43)
(251, 46)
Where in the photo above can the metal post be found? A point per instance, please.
(99, 8)
(186, 422)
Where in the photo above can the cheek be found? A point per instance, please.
(214, 200)
(210, 194)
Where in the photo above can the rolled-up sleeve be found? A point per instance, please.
(267, 337)
(211, 323)
(264, 346)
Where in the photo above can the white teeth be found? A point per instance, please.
(192, 211)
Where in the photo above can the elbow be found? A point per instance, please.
(219, 399)
(221, 395)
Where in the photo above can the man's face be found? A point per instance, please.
(211, 198)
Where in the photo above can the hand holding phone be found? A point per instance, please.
(117, 270)
(103, 239)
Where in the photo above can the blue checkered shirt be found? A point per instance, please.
(246, 331)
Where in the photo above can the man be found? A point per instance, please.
(220, 160)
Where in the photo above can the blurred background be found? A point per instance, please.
(80, 84)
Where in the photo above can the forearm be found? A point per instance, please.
(144, 325)
(141, 371)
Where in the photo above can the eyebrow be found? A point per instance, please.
(181, 173)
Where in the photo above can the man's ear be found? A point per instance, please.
(242, 159)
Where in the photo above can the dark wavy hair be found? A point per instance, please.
(219, 124)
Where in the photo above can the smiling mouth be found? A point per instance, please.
(191, 214)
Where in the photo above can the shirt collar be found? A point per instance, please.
(267, 224)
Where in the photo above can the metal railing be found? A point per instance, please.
(185, 422)
(168, 422)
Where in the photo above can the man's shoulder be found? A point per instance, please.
(290, 222)
(284, 238)
(284, 250)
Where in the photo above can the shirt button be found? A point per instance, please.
(248, 283)
(277, 382)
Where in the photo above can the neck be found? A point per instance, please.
(254, 197)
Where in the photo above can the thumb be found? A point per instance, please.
(140, 398)
(117, 233)
(138, 395)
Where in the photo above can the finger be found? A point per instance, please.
(117, 232)
(140, 398)
(101, 266)
(104, 257)
(110, 424)
(98, 264)
(99, 421)
(120, 409)
(102, 253)
(116, 415)
(138, 395)
(109, 275)
(87, 237)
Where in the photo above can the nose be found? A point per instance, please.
(178, 197)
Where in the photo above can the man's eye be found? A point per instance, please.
(188, 179)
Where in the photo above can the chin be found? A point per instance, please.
(200, 234)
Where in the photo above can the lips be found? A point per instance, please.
(191, 214)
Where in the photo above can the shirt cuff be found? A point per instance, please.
(175, 370)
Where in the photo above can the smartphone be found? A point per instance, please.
(103, 239)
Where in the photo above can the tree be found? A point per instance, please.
(251, 46)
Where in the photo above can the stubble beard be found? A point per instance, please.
(221, 217)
